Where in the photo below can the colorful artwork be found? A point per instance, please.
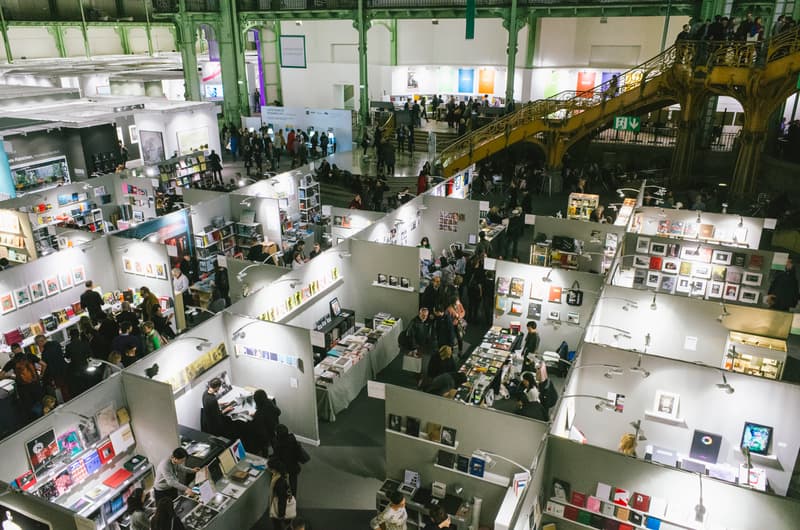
(466, 80)
(486, 80)
(586, 82)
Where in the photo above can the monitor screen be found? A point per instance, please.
(756, 438)
(335, 308)
(411, 477)
(214, 471)
(705, 446)
(472, 239)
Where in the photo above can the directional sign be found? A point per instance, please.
(627, 123)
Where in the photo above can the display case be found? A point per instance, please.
(333, 330)
(180, 172)
(248, 234)
(12, 239)
(581, 205)
(755, 355)
(212, 242)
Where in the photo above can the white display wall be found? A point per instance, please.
(446, 220)
(126, 253)
(402, 226)
(697, 394)
(181, 129)
(740, 231)
(356, 220)
(340, 121)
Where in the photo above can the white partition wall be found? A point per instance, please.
(130, 259)
(693, 225)
(595, 237)
(346, 222)
(681, 328)
(287, 372)
(697, 394)
(403, 226)
(207, 205)
(267, 213)
(257, 276)
(527, 292)
(440, 226)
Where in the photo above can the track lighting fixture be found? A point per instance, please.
(638, 368)
(724, 313)
(653, 305)
(724, 385)
(547, 277)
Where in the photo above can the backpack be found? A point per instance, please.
(25, 371)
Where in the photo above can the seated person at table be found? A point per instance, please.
(536, 395)
(441, 363)
(438, 519)
(445, 384)
(214, 420)
(172, 476)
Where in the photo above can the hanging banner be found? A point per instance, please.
(585, 84)
(486, 80)
(470, 29)
(466, 80)
(293, 51)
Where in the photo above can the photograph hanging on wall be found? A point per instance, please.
(65, 280)
(51, 286)
(534, 311)
(655, 263)
(161, 271)
(639, 277)
(715, 289)
(151, 146)
(37, 291)
(667, 283)
(748, 296)
(670, 265)
(554, 315)
(22, 297)
(7, 303)
(643, 245)
(684, 285)
(503, 285)
(658, 249)
(78, 275)
(748, 278)
(641, 262)
(701, 270)
(127, 265)
(573, 318)
(149, 270)
(653, 279)
(718, 273)
(721, 257)
(731, 292)
(395, 422)
(517, 288)
(699, 287)
(382, 279)
(733, 276)
(666, 403)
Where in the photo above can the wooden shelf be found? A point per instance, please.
(661, 418)
(395, 287)
(417, 438)
(491, 478)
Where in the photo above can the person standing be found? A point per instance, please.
(136, 513)
(280, 495)
(152, 339)
(181, 285)
(172, 475)
(394, 516)
(165, 517)
(122, 155)
(28, 385)
(261, 435)
(92, 302)
(149, 303)
(215, 165)
(57, 369)
(190, 267)
(289, 451)
(78, 352)
(221, 284)
(783, 291)
(214, 420)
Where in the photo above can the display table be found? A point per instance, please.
(485, 365)
(418, 506)
(335, 393)
(201, 446)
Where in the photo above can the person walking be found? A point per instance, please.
(282, 504)
(289, 451)
(215, 165)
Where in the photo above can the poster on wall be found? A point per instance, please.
(486, 80)
(152, 145)
(585, 84)
(411, 79)
(192, 140)
(447, 81)
(293, 51)
(466, 80)
(552, 83)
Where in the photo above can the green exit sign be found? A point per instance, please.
(627, 123)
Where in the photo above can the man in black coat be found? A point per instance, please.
(783, 292)
(92, 302)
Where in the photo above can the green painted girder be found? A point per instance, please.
(78, 24)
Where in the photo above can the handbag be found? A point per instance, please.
(574, 294)
(291, 505)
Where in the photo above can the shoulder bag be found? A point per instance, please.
(574, 294)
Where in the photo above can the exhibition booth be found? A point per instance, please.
(337, 124)
(574, 244)
(344, 222)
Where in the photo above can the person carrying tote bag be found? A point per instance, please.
(282, 505)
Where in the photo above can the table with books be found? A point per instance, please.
(484, 366)
(357, 358)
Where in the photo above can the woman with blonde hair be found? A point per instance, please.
(627, 445)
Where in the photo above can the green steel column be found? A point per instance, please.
(533, 31)
(279, 82)
(666, 26)
(122, 31)
(187, 36)
(147, 28)
(513, 29)
(393, 42)
(6, 44)
(120, 5)
(708, 8)
(231, 60)
(362, 25)
(58, 36)
(85, 31)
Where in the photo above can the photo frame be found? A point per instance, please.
(699, 287)
(667, 283)
(721, 257)
(731, 292)
(149, 270)
(641, 262)
(656, 263)
(22, 296)
(37, 291)
(643, 245)
(7, 303)
(573, 318)
(653, 279)
(715, 289)
(405, 283)
(42, 451)
(658, 249)
(127, 265)
(382, 279)
(670, 265)
(684, 285)
(701, 270)
(51, 286)
(666, 404)
(133, 133)
(161, 271)
(718, 273)
(748, 296)
(65, 280)
(78, 275)
(554, 315)
(733, 276)
(752, 278)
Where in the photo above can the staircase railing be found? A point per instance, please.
(566, 104)
(783, 44)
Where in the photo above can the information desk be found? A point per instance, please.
(355, 360)
(419, 505)
(484, 367)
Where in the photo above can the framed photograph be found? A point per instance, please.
(37, 291)
(755, 262)
(127, 265)
(748, 296)
(699, 287)
(133, 133)
(690, 253)
(658, 249)
(554, 315)
(653, 279)
(395, 422)
(7, 303)
(150, 270)
(641, 262)
(748, 278)
(701, 270)
(718, 273)
(573, 318)
(673, 250)
(670, 265)
(739, 259)
(667, 283)
(655, 263)
(161, 271)
(666, 403)
(721, 257)
(382, 278)
(78, 275)
(685, 268)
(448, 436)
(394, 281)
(684, 285)
(731, 292)
(42, 452)
(138, 268)
(639, 277)
(715, 289)
(643, 245)
(404, 283)
(51, 286)
(22, 297)
(733, 276)
(65, 280)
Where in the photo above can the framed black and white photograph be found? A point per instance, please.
(653, 279)
(748, 296)
(395, 422)
(701, 270)
(673, 250)
(684, 285)
(554, 315)
(448, 436)
(573, 318)
(667, 283)
(752, 278)
(721, 257)
(643, 245)
(658, 249)
(404, 282)
(382, 278)
(666, 403)
(699, 287)
(715, 289)
(641, 262)
(394, 281)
